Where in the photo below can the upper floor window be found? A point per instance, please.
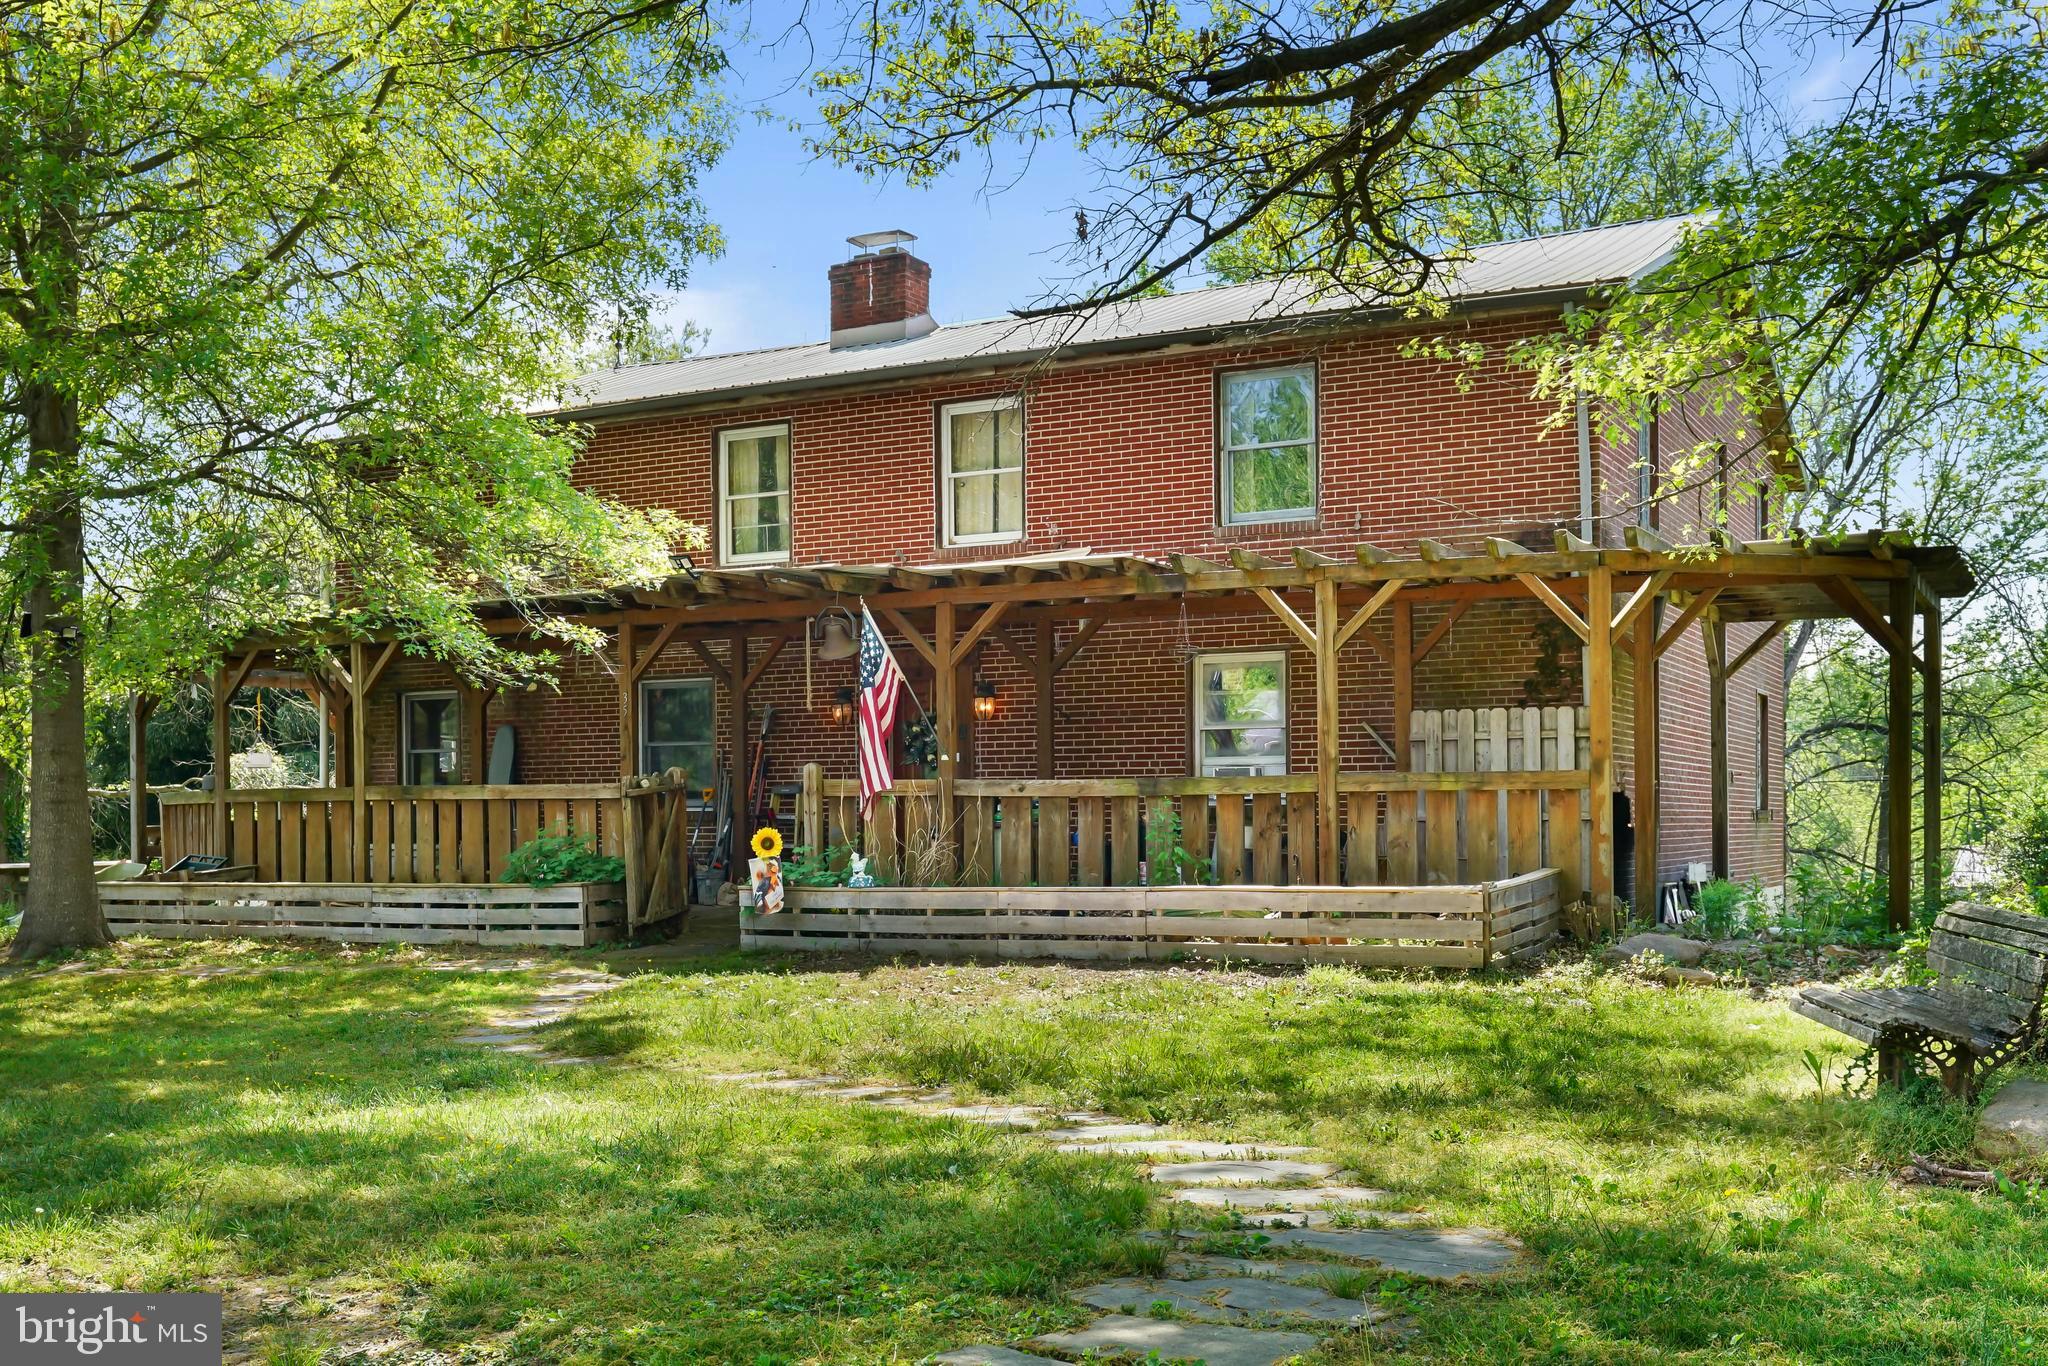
(1240, 715)
(1646, 472)
(429, 745)
(1267, 422)
(1763, 753)
(981, 464)
(676, 728)
(753, 495)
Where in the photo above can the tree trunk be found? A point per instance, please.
(63, 909)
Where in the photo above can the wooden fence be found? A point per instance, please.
(435, 835)
(1511, 740)
(1399, 829)
(574, 914)
(1449, 927)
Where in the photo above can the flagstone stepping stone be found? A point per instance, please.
(494, 1038)
(1005, 1116)
(1435, 1254)
(795, 1084)
(1184, 1147)
(858, 1092)
(991, 1356)
(1231, 1299)
(530, 1020)
(1299, 1270)
(1099, 1133)
(943, 1096)
(1271, 1171)
(1269, 1198)
(739, 1076)
(1216, 1344)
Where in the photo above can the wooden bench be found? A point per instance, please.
(1983, 1010)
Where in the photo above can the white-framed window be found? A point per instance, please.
(678, 728)
(1240, 709)
(1763, 753)
(430, 729)
(1266, 425)
(1646, 472)
(753, 494)
(981, 471)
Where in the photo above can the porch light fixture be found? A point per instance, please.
(984, 699)
(842, 706)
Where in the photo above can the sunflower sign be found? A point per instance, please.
(766, 870)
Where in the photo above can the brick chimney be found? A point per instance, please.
(882, 294)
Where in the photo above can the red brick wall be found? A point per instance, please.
(1120, 458)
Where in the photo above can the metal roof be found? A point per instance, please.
(1557, 266)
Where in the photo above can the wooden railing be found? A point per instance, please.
(439, 835)
(1399, 829)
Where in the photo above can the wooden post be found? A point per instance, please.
(1931, 760)
(359, 752)
(221, 766)
(1715, 633)
(946, 709)
(1899, 761)
(140, 707)
(1043, 672)
(1600, 733)
(1647, 794)
(810, 810)
(736, 737)
(629, 764)
(963, 702)
(1403, 628)
(1329, 819)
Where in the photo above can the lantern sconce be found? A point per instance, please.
(842, 706)
(984, 699)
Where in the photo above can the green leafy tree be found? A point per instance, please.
(278, 281)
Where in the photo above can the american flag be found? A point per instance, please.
(881, 688)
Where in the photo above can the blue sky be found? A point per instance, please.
(993, 245)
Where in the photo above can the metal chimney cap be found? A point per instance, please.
(874, 243)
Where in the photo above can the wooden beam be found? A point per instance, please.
(1931, 763)
(1639, 601)
(913, 635)
(1044, 668)
(1863, 611)
(1288, 616)
(1549, 598)
(1642, 538)
(1027, 659)
(1252, 560)
(1692, 612)
(1756, 647)
(736, 760)
(1503, 549)
(630, 667)
(1569, 543)
(359, 753)
(1899, 764)
(376, 670)
(1436, 635)
(1437, 552)
(1194, 564)
(1370, 555)
(1365, 613)
(1600, 728)
(222, 776)
(637, 661)
(1715, 634)
(1647, 787)
(1306, 559)
(718, 671)
(1073, 646)
(945, 711)
(760, 666)
(1329, 818)
(1402, 629)
(238, 676)
(985, 623)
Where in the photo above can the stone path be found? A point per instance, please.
(1220, 1310)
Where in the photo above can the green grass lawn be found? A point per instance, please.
(308, 1135)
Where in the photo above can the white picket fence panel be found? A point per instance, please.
(1503, 739)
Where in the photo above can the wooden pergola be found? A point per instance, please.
(1640, 598)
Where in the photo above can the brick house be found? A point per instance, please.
(1315, 595)
(1204, 423)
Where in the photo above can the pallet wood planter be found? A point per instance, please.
(574, 915)
(1399, 927)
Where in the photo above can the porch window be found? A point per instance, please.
(677, 727)
(1763, 753)
(1267, 421)
(981, 459)
(431, 727)
(1240, 709)
(753, 495)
